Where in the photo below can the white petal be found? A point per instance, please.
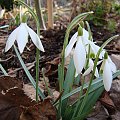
(70, 45)
(35, 38)
(91, 64)
(96, 73)
(107, 76)
(88, 71)
(95, 49)
(99, 62)
(79, 56)
(112, 65)
(22, 37)
(11, 39)
(85, 36)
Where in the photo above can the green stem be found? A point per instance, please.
(39, 13)
(37, 72)
(36, 17)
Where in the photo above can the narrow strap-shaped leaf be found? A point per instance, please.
(95, 82)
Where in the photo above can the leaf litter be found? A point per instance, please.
(15, 104)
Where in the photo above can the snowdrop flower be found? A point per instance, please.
(79, 55)
(20, 34)
(108, 68)
(94, 49)
(90, 68)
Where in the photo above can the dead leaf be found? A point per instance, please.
(52, 67)
(116, 60)
(8, 109)
(40, 111)
(55, 61)
(16, 105)
(7, 82)
(115, 93)
(107, 101)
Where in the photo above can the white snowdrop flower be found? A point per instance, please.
(108, 68)
(79, 54)
(20, 34)
(90, 68)
(107, 76)
(73, 40)
(112, 65)
(94, 49)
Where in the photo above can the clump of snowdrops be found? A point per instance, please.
(86, 58)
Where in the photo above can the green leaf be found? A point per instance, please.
(77, 19)
(91, 100)
(68, 83)
(69, 79)
(97, 82)
(68, 115)
(96, 90)
(60, 87)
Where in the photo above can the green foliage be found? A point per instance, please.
(116, 8)
(102, 8)
(111, 26)
(7, 4)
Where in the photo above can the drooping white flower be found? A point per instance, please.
(20, 34)
(79, 55)
(90, 68)
(108, 68)
(74, 39)
(107, 76)
(112, 65)
(94, 49)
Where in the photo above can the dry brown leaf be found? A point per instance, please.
(16, 105)
(107, 101)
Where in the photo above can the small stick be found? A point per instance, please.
(50, 13)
